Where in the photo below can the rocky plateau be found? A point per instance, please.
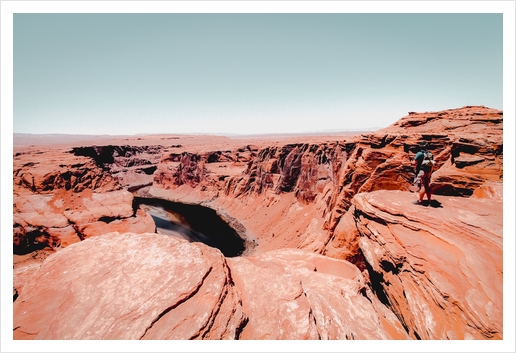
(334, 247)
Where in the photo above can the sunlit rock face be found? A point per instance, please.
(62, 195)
(66, 217)
(130, 286)
(151, 286)
(334, 247)
(467, 144)
(439, 267)
(295, 294)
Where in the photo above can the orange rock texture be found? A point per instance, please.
(335, 249)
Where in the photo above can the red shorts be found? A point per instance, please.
(423, 179)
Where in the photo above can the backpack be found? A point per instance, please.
(428, 161)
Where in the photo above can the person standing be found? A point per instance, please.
(424, 164)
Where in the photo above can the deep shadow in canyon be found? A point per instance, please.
(194, 223)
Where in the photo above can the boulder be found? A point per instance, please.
(297, 295)
(130, 286)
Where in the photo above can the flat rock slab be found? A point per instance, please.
(151, 286)
(297, 295)
(129, 286)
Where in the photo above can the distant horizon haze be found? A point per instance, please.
(27, 139)
(314, 132)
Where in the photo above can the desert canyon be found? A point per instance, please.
(269, 237)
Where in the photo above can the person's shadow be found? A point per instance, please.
(432, 203)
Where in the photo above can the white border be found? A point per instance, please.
(505, 7)
(256, 6)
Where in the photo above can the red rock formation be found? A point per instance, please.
(329, 174)
(130, 166)
(467, 144)
(66, 217)
(295, 294)
(469, 120)
(64, 195)
(150, 286)
(278, 183)
(438, 268)
(138, 287)
(435, 275)
(42, 171)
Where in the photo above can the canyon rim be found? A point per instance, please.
(332, 246)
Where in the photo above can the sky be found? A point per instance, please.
(248, 73)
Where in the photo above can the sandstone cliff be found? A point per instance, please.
(363, 250)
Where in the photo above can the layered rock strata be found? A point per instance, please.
(424, 272)
(64, 217)
(322, 177)
(438, 268)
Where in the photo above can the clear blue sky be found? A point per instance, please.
(248, 73)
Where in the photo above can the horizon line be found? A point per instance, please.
(228, 134)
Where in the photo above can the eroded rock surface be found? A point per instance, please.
(42, 171)
(467, 144)
(130, 286)
(328, 174)
(150, 286)
(323, 176)
(130, 166)
(416, 272)
(66, 217)
(438, 267)
(294, 294)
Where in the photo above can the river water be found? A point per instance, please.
(194, 223)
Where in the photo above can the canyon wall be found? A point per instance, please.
(331, 236)
(321, 179)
